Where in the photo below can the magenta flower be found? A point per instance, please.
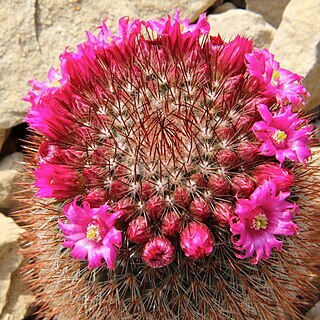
(196, 240)
(282, 135)
(91, 233)
(47, 113)
(258, 219)
(174, 27)
(56, 181)
(281, 83)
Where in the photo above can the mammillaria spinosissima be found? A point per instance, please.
(170, 179)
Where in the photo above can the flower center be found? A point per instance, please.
(279, 136)
(275, 77)
(93, 233)
(260, 222)
(55, 83)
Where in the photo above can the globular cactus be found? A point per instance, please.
(167, 178)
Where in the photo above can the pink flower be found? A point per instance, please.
(281, 177)
(41, 89)
(196, 240)
(57, 181)
(127, 32)
(158, 252)
(281, 83)
(231, 55)
(91, 233)
(282, 135)
(174, 26)
(46, 114)
(259, 219)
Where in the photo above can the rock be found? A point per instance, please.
(224, 7)
(14, 298)
(242, 22)
(272, 11)
(19, 301)
(35, 32)
(19, 56)
(9, 167)
(150, 9)
(3, 136)
(314, 313)
(297, 44)
(10, 259)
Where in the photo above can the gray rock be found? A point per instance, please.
(297, 44)
(9, 173)
(246, 23)
(271, 10)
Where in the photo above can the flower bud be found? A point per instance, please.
(155, 206)
(127, 206)
(97, 197)
(181, 197)
(224, 132)
(118, 188)
(147, 189)
(93, 176)
(199, 180)
(244, 123)
(200, 208)
(120, 171)
(223, 212)
(139, 230)
(171, 223)
(158, 252)
(102, 154)
(54, 154)
(242, 186)
(227, 158)
(196, 240)
(218, 185)
(281, 177)
(247, 152)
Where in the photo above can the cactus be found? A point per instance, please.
(167, 177)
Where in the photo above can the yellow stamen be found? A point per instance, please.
(55, 83)
(109, 39)
(181, 27)
(279, 136)
(93, 233)
(260, 222)
(275, 75)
